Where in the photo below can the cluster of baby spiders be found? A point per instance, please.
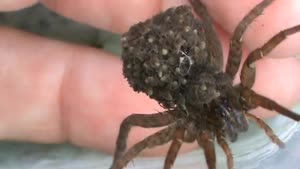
(178, 61)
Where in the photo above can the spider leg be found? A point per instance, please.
(141, 120)
(235, 49)
(161, 137)
(222, 142)
(255, 99)
(213, 42)
(174, 148)
(248, 69)
(189, 137)
(205, 140)
(267, 129)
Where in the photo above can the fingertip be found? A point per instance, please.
(115, 16)
(278, 80)
(171, 3)
(280, 15)
(11, 5)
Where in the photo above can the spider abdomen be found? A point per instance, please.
(158, 54)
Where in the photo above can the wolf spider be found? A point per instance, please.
(178, 61)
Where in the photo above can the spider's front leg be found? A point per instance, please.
(181, 135)
(206, 141)
(174, 148)
(224, 145)
(161, 137)
(267, 129)
(141, 120)
(248, 75)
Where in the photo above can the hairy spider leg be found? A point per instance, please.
(213, 42)
(174, 148)
(141, 120)
(223, 144)
(161, 137)
(248, 69)
(235, 48)
(267, 129)
(248, 74)
(206, 141)
(255, 99)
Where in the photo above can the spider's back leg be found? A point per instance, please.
(235, 49)
(213, 42)
(255, 100)
(248, 75)
(248, 69)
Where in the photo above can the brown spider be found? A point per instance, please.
(178, 61)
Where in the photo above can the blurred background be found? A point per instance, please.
(253, 150)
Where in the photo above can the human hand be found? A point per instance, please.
(53, 91)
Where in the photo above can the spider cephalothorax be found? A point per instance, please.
(177, 60)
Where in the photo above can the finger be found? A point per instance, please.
(279, 80)
(29, 87)
(165, 4)
(9, 5)
(53, 92)
(279, 15)
(115, 15)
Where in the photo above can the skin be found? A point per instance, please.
(53, 92)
